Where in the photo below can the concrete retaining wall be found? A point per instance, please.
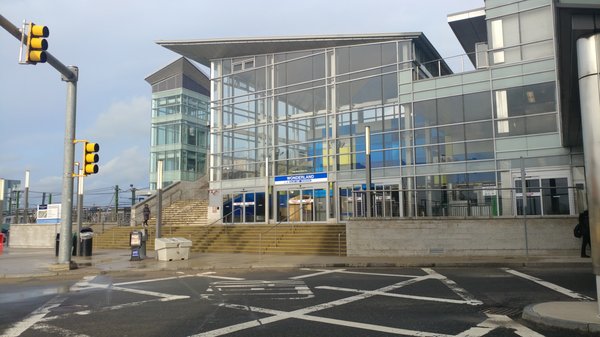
(460, 237)
(33, 235)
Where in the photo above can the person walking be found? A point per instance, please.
(146, 212)
(584, 221)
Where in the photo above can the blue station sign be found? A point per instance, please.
(301, 178)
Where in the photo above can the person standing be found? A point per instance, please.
(584, 221)
(146, 212)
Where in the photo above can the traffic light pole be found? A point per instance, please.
(70, 75)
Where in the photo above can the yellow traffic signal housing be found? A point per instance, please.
(90, 158)
(36, 44)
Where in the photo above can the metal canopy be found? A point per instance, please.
(470, 28)
(202, 51)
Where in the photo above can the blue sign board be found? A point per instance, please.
(301, 178)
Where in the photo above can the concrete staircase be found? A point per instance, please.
(187, 219)
(308, 239)
(183, 213)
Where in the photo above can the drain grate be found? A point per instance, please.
(510, 312)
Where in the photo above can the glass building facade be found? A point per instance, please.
(288, 142)
(180, 123)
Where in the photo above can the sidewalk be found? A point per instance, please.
(31, 263)
(34, 262)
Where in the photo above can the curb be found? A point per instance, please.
(532, 313)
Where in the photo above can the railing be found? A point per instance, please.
(488, 202)
(260, 235)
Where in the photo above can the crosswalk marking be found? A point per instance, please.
(549, 285)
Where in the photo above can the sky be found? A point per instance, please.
(113, 43)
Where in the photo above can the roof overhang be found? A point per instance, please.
(470, 28)
(576, 18)
(203, 51)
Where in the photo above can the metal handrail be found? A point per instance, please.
(275, 226)
(223, 217)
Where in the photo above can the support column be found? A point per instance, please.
(588, 61)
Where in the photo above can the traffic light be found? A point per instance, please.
(90, 158)
(36, 44)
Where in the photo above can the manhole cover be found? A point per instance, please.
(505, 311)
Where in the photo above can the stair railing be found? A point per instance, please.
(232, 213)
(275, 227)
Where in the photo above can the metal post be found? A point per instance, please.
(368, 168)
(1, 199)
(64, 253)
(132, 196)
(26, 208)
(524, 197)
(267, 200)
(159, 178)
(588, 65)
(79, 204)
(116, 210)
(69, 74)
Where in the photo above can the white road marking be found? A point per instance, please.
(465, 295)
(549, 285)
(301, 312)
(37, 315)
(296, 314)
(164, 296)
(498, 321)
(321, 272)
(276, 289)
(422, 298)
(152, 280)
(210, 275)
(102, 309)
(54, 330)
(344, 271)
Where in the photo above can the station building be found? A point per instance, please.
(180, 116)
(466, 136)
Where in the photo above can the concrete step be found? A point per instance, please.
(321, 239)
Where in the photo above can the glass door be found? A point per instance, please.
(320, 204)
(302, 205)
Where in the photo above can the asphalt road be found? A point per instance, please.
(473, 301)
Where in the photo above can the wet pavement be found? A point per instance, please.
(33, 263)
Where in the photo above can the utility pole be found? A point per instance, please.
(116, 211)
(26, 210)
(132, 195)
(70, 75)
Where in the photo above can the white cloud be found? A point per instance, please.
(124, 120)
(130, 166)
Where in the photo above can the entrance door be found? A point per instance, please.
(545, 196)
(245, 207)
(302, 205)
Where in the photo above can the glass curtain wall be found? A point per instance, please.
(307, 112)
(179, 136)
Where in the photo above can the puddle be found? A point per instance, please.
(32, 293)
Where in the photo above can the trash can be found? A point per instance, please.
(74, 245)
(86, 236)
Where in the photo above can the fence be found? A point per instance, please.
(468, 202)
